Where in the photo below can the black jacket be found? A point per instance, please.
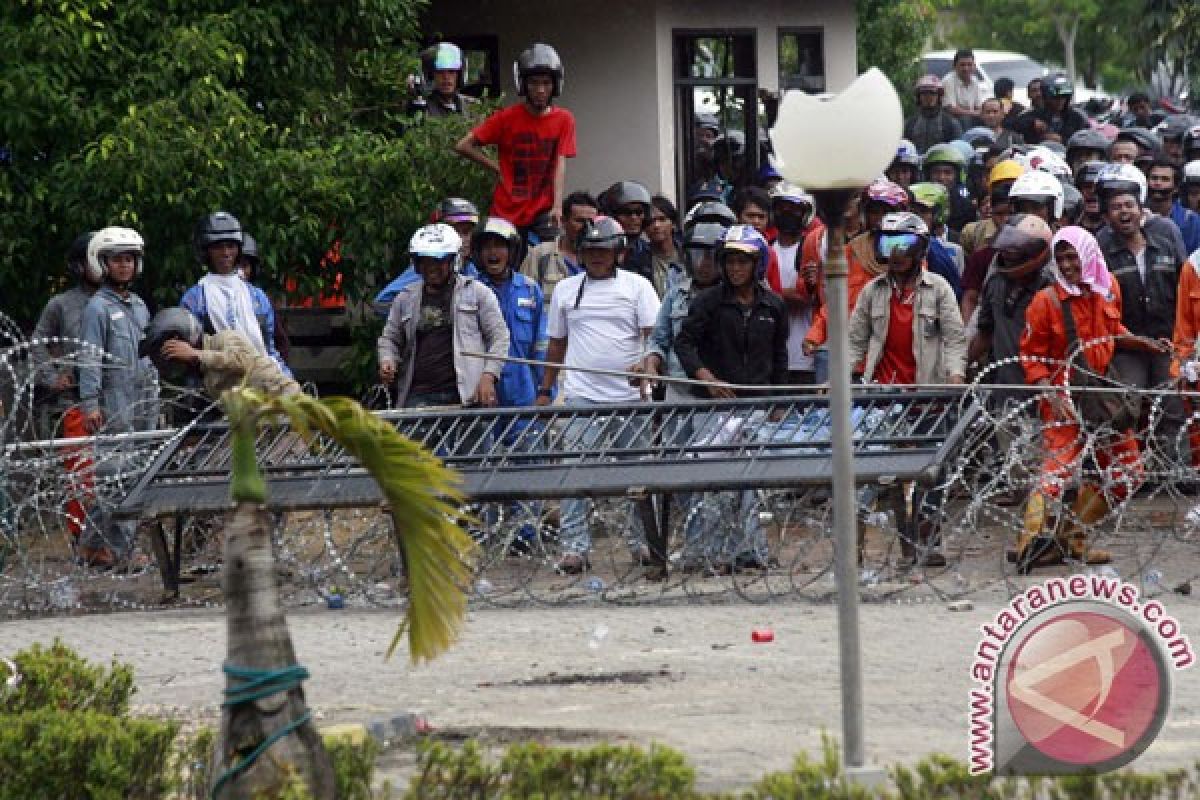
(739, 345)
(640, 260)
(1071, 121)
(1147, 306)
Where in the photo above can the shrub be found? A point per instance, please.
(58, 678)
(84, 754)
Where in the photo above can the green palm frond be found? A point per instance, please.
(423, 496)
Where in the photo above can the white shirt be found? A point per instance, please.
(603, 332)
(970, 96)
(800, 320)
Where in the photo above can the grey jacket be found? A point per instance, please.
(939, 340)
(120, 384)
(61, 319)
(478, 327)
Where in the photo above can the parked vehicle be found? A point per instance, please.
(993, 64)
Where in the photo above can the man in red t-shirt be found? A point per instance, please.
(531, 138)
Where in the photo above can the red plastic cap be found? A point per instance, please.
(762, 635)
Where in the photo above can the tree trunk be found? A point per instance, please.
(1067, 28)
(258, 639)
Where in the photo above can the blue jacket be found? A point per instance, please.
(941, 262)
(264, 312)
(524, 312)
(1189, 225)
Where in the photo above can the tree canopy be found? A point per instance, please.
(892, 35)
(152, 113)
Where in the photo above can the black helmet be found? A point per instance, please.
(77, 254)
(1087, 139)
(1191, 142)
(538, 59)
(1144, 138)
(218, 227)
(701, 236)
(622, 193)
(602, 232)
(170, 323)
(1089, 172)
(1058, 85)
(1072, 203)
(711, 211)
(444, 56)
(543, 227)
(249, 247)
(1175, 126)
(456, 209)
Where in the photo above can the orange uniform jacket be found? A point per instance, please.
(856, 279)
(1187, 313)
(1046, 335)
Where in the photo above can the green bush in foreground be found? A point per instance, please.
(58, 678)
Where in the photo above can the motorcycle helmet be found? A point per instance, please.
(217, 227)
(539, 59)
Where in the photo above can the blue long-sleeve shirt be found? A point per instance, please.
(524, 312)
(941, 262)
(1189, 225)
(193, 300)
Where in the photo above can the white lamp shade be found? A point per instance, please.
(843, 142)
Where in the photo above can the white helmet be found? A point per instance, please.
(438, 240)
(1040, 186)
(1118, 177)
(1043, 159)
(1191, 173)
(110, 241)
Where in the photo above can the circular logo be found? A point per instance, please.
(1088, 689)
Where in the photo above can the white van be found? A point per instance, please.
(990, 65)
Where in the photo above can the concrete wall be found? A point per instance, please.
(618, 65)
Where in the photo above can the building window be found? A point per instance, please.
(717, 111)
(802, 59)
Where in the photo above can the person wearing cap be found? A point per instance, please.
(1162, 197)
(964, 94)
(599, 319)
(1082, 288)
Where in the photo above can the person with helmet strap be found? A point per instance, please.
(947, 165)
(906, 330)
(532, 140)
(629, 203)
(433, 322)
(931, 202)
(1191, 186)
(735, 334)
(175, 341)
(1162, 179)
(461, 215)
(222, 300)
(1092, 219)
(1146, 268)
(1038, 193)
(599, 319)
(932, 124)
(1072, 325)
(495, 246)
(905, 168)
(1021, 252)
(1056, 120)
(444, 70)
(878, 200)
(56, 351)
(118, 390)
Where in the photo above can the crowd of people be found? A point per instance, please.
(1032, 248)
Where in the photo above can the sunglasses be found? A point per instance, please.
(631, 211)
(899, 243)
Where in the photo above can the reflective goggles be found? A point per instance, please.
(899, 243)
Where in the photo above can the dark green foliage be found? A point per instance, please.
(151, 114)
(533, 770)
(57, 678)
(83, 754)
(892, 35)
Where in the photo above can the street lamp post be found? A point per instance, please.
(834, 148)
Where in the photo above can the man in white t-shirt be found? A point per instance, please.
(599, 319)
(792, 211)
(964, 94)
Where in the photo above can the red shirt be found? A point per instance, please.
(898, 364)
(528, 148)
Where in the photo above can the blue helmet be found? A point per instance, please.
(745, 239)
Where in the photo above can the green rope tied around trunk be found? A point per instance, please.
(257, 684)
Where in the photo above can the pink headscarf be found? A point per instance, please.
(1094, 269)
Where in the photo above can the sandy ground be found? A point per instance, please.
(687, 676)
